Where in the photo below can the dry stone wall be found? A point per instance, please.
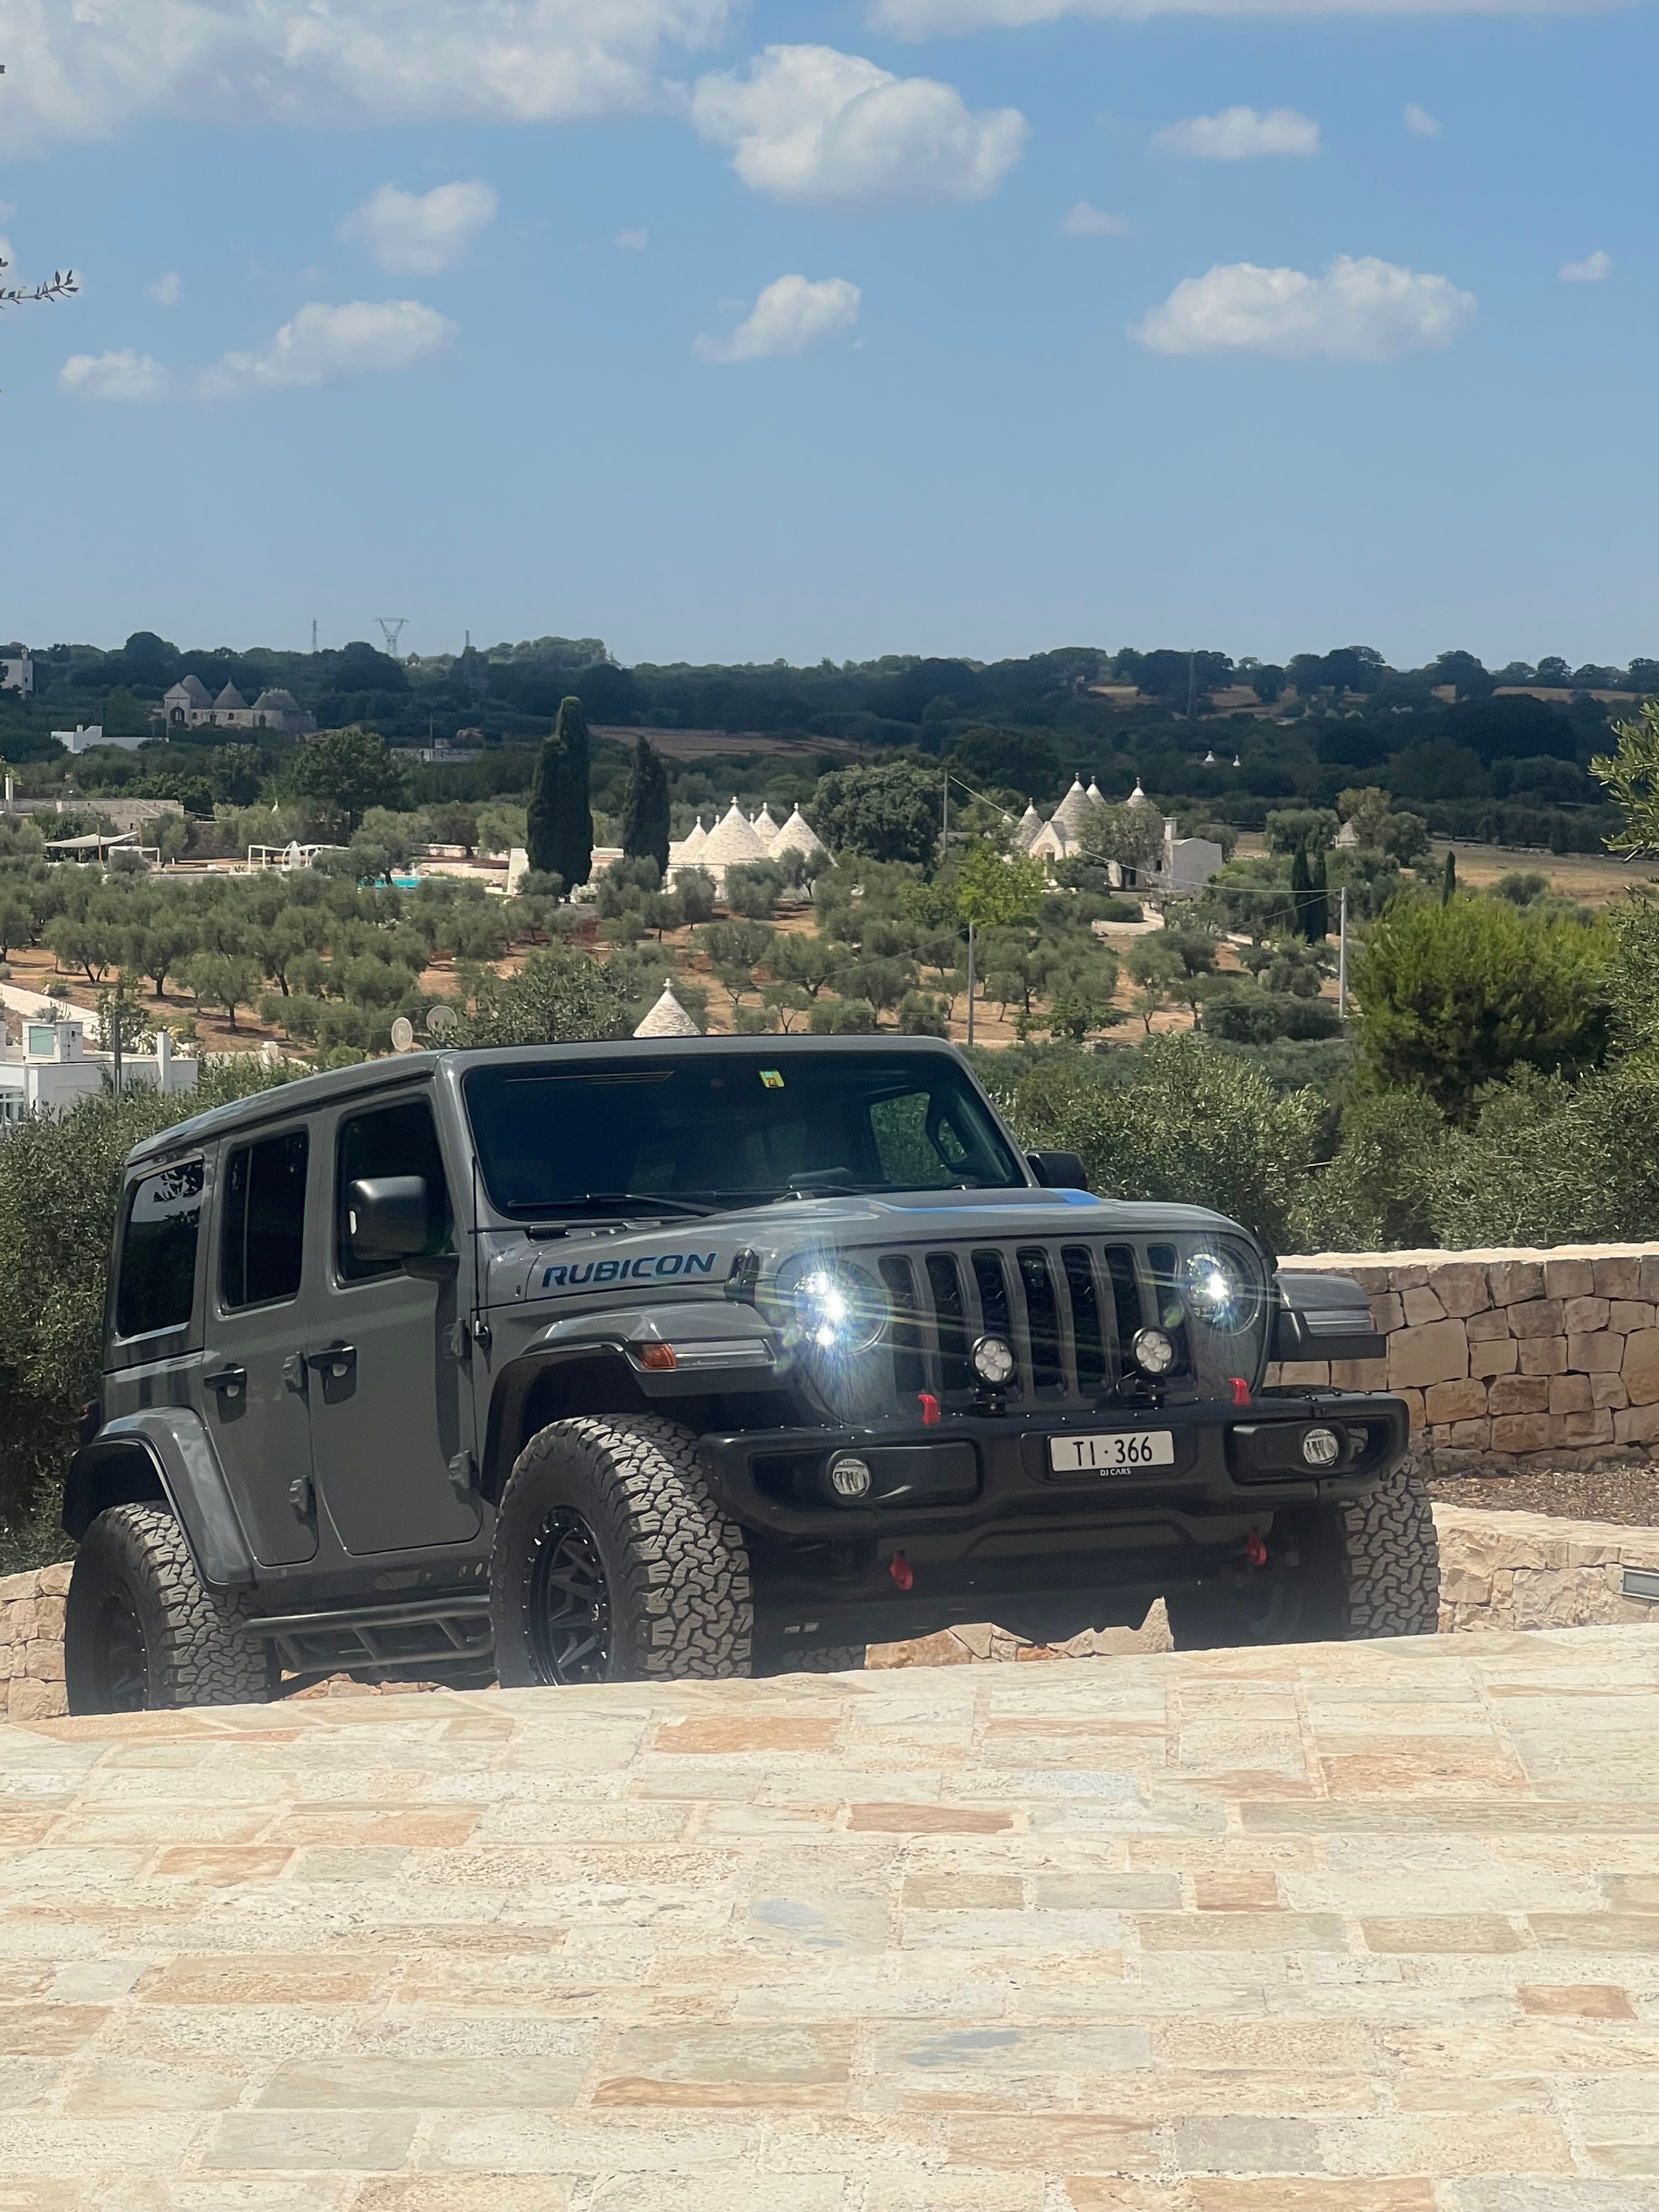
(32, 1644)
(1511, 1359)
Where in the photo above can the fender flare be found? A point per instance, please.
(175, 1452)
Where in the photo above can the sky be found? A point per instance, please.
(790, 330)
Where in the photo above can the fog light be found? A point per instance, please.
(849, 1476)
(1152, 1352)
(993, 1362)
(1321, 1447)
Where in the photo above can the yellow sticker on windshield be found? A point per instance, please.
(771, 1079)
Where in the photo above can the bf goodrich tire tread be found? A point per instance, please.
(1387, 1559)
(196, 1650)
(681, 1600)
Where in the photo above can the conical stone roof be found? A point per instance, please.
(797, 835)
(668, 1018)
(1137, 797)
(765, 827)
(1094, 794)
(733, 840)
(1029, 824)
(231, 700)
(691, 845)
(1072, 811)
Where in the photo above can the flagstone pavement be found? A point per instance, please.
(1371, 1928)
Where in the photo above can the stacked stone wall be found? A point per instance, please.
(32, 1644)
(1509, 1358)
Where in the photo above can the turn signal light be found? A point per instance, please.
(658, 1357)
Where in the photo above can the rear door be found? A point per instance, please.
(390, 1403)
(254, 1377)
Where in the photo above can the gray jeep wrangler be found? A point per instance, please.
(591, 1363)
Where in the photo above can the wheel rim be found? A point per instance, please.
(121, 1659)
(567, 1603)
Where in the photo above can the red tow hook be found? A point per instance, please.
(1241, 1390)
(1254, 1550)
(904, 1574)
(930, 1408)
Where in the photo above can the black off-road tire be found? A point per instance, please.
(1373, 1568)
(1366, 1569)
(671, 1570)
(142, 1632)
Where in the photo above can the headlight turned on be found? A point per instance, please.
(839, 1311)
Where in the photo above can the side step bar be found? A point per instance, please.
(383, 1641)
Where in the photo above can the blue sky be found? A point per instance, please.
(1320, 380)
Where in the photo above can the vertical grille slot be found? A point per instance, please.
(1043, 1313)
(993, 1286)
(1089, 1338)
(1126, 1291)
(910, 1334)
(951, 1320)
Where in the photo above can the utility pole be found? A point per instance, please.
(1342, 956)
(970, 982)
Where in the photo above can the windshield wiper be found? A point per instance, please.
(646, 1201)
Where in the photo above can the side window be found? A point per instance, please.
(156, 1286)
(263, 1208)
(397, 1140)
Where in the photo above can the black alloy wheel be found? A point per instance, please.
(120, 1660)
(567, 1603)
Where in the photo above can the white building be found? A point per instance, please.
(1185, 865)
(189, 705)
(51, 1069)
(17, 672)
(82, 739)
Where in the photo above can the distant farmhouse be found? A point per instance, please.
(17, 672)
(190, 706)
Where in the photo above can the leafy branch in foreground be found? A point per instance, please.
(62, 284)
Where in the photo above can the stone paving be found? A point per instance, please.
(1370, 1928)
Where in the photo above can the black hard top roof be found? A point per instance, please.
(403, 1070)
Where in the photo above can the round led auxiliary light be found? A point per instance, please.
(1153, 1352)
(1321, 1447)
(993, 1361)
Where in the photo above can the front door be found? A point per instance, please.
(253, 1371)
(391, 1405)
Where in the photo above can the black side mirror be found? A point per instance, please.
(387, 1218)
(1059, 1170)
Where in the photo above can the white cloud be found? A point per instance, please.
(1419, 121)
(319, 346)
(1358, 310)
(1082, 221)
(927, 19)
(1589, 272)
(632, 242)
(789, 316)
(167, 289)
(85, 72)
(115, 376)
(416, 235)
(812, 126)
(1240, 134)
(328, 345)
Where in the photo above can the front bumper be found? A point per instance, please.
(969, 1471)
(967, 1520)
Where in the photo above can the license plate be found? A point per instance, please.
(1124, 1448)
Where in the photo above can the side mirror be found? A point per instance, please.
(387, 1218)
(1059, 1170)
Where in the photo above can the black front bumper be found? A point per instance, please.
(968, 1516)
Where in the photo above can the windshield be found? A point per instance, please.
(726, 1131)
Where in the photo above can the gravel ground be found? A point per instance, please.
(1626, 1494)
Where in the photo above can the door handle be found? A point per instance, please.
(229, 1382)
(293, 1372)
(334, 1360)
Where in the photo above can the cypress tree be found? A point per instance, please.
(560, 838)
(1319, 911)
(1449, 879)
(645, 807)
(1302, 892)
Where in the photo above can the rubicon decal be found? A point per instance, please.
(654, 1264)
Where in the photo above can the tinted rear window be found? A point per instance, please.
(157, 1282)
